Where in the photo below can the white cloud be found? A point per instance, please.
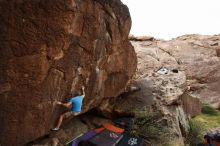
(170, 18)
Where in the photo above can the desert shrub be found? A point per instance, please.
(199, 125)
(148, 124)
(207, 109)
(195, 134)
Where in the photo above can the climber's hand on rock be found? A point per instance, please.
(58, 102)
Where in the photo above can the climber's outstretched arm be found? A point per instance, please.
(67, 105)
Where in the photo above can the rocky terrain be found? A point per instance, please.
(49, 49)
(191, 77)
(196, 55)
(173, 78)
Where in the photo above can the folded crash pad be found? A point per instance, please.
(106, 138)
(129, 140)
(113, 128)
(99, 130)
(84, 137)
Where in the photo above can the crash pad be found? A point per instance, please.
(99, 130)
(113, 128)
(84, 137)
(129, 140)
(106, 138)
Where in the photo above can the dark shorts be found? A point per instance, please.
(68, 114)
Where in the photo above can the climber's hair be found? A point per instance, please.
(77, 93)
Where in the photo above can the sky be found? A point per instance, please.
(167, 19)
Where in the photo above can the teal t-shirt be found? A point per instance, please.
(76, 103)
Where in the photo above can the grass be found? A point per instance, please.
(208, 110)
(195, 134)
(209, 117)
(209, 121)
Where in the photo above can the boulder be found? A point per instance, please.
(197, 55)
(141, 38)
(49, 49)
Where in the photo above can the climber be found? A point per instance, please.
(74, 105)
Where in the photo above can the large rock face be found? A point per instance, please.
(196, 55)
(48, 50)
